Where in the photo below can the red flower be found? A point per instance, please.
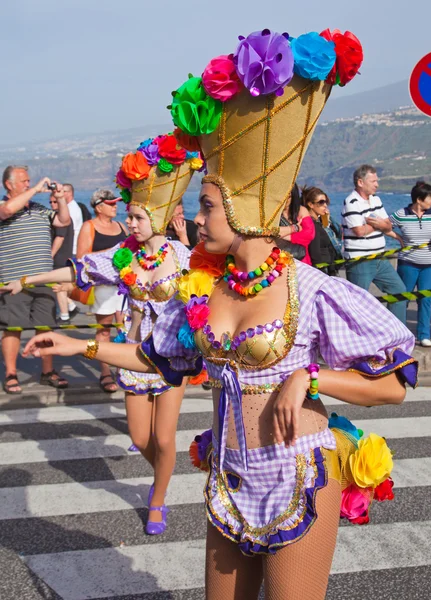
(171, 150)
(129, 278)
(384, 490)
(361, 520)
(189, 142)
(349, 54)
(197, 316)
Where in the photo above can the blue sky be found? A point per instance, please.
(82, 66)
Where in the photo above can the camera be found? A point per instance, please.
(52, 186)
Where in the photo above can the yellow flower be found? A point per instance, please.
(124, 272)
(197, 283)
(196, 163)
(372, 462)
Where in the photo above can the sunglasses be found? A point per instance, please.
(321, 202)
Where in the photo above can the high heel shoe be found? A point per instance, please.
(157, 527)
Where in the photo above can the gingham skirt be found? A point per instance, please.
(141, 383)
(272, 504)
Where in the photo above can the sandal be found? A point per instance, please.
(54, 380)
(105, 386)
(8, 386)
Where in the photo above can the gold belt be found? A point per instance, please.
(265, 388)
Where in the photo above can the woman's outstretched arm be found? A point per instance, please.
(125, 356)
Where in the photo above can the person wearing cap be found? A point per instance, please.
(99, 235)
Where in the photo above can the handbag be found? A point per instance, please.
(78, 295)
(296, 250)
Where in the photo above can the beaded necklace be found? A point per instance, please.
(276, 261)
(156, 259)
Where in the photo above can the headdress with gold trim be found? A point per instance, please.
(156, 176)
(253, 112)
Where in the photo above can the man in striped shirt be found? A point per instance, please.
(365, 222)
(25, 249)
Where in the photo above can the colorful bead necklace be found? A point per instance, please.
(158, 257)
(275, 263)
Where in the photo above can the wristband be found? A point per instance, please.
(23, 282)
(92, 349)
(313, 390)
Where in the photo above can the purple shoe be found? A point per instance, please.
(150, 494)
(157, 527)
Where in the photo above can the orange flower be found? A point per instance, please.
(135, 166)
(130, 278)
(199, 379)
(211, 263)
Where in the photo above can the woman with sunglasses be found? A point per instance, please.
(320, 248)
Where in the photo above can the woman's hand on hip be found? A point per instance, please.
(287, 407)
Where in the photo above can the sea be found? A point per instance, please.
(391, 202)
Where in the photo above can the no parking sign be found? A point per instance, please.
(420, 85)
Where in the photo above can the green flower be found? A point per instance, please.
(193, 111)
(122, 258)
(165, 166)
(126, 196)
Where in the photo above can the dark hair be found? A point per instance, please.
(309, 195)
(361, 172)
(295, 204)
(420, 191)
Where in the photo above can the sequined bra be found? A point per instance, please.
(160, 290)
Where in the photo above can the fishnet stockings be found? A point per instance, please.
(299, 571)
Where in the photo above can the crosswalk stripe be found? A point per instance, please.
(396, 428)
(70, 498)
(180, 565)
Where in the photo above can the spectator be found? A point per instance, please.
(414, 266)
(320, 248)
(25, 249)
(62, 245)
(97, 235)
(79, 213)
(364, 222)
(182, 229)
(296, 227)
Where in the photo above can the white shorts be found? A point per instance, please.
(106, 300)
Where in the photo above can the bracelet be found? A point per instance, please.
(92, 349)
(295, 228)
(23, 282)
(313, 390)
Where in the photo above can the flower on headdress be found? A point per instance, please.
(192, 155)
(189, 142)
(314, 56)
(213, 264)
(193, 111)
(349, 56)
(355, 503)
(145, 143)
(171, 150)
(151, 153)
(384, 490)
(165, 166)
(196, 164)
(186, 337)
(122, 181)
(372, 462)
(195, 283)
(220, 78)
(126, 196)
(264, 62)
(135, 166)
(197, 312)
(122, 258)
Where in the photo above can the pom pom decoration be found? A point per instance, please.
(165, 166)
(189, 142)
(199, 450)
(186, 337)
(349, 56)
(355, 503)
(193, 111)
(122, 258)
(372, 462)
(213, 264)
(126, 196)
(384, 491)
(196, 164)
(194, 283)
(264, 62)
(151, 153)
(169, 149)
(314, 56)
(135, 166)
(122, 181)
(197, 312)
(199, 379)
(220, 79)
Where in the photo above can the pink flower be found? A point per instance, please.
(122, 181)
(355, 502)
(220, 79)
(197, 316)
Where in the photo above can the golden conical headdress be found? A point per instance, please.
(254, 114)
(156, 176)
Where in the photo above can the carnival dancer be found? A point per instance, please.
(278, 476)
(146, 268)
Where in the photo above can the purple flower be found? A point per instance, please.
(122, 289)
(196, 301)
(151, 153)
(264, 62)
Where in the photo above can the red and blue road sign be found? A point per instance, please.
(420, 85)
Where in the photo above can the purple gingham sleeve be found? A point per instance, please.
(355, 331)
(95, 269)
(183, 254)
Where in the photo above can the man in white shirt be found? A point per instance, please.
(365, 222)
(74, 211)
